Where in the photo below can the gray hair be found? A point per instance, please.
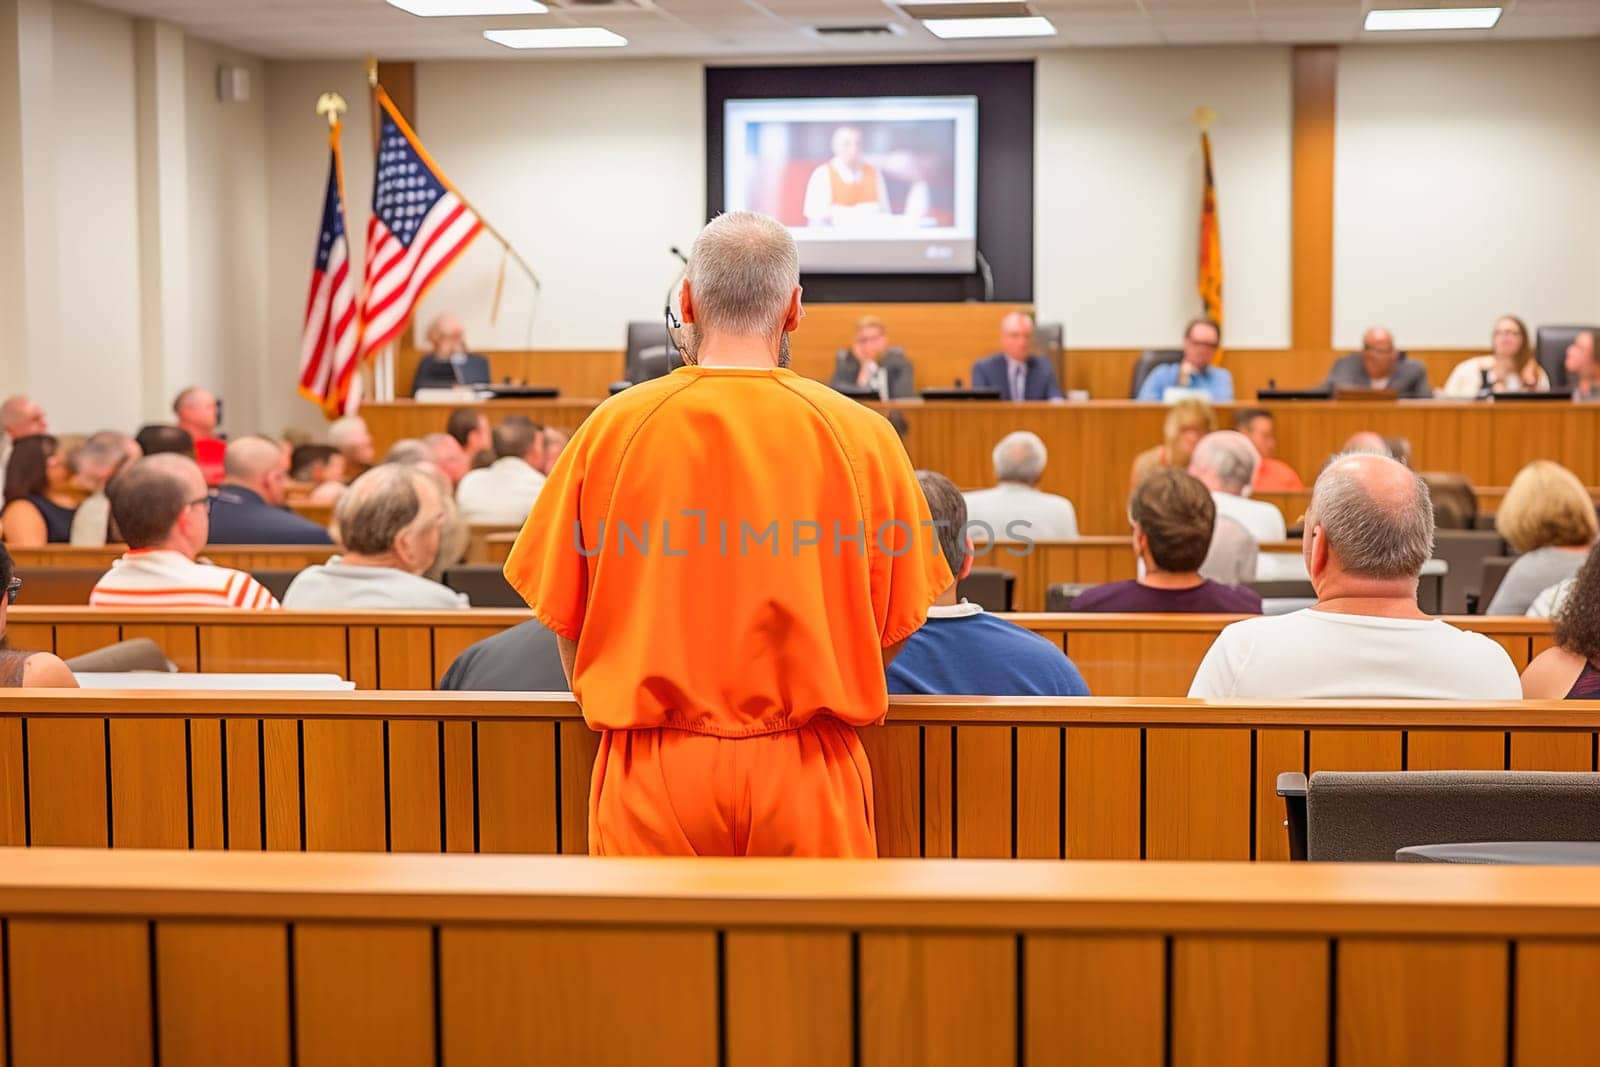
(408, 450)
(1373, 536)
(1020, 457)
(377, 507)
(1229, 455)
(742, 270)
(949, 510)
(102, 453)
(343, 432)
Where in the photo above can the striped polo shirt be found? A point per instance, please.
(162, 578)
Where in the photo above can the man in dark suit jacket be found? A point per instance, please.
(247, 508)
(1015, 370)
(449, 363)
(1380, 366)
(887, 370)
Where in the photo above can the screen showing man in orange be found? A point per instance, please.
(729, 556)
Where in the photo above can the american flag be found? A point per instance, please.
(332, 333)
(419, 226)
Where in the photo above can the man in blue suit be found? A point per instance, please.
(247, 508)
(1015, 370)
(449, 363)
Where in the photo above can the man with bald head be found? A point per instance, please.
(19, 417)
(1379, 365)
(448, 363)
(196, 412)
(1369, 530)
(248, 507)
(1016, 370)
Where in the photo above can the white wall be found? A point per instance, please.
(92, 378)
(1467, 186)
(1118, 186)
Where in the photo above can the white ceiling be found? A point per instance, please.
(739, 29)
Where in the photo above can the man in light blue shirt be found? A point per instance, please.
(1194, 371)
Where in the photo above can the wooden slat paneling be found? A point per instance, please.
(1276, 751)
(895, 755)
(1555, 980)
(346, 803)
(1250, 1000)
(364, 994)
(943, 1000)
(149, 783)
(1076, 986)
(1103, 802)
(983, 790)
(1040, 796)
(1197, 794)
(80, 992)
(790, 999)
(67, 781)
(1455, 750)
(516, 787)
(223, 994)
(1416, 1001)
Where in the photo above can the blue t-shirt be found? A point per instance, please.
(1215, 382)
(980, 655)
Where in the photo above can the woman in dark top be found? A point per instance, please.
(1571, 669)
(19, 668)
(1173, 517)
(38, 500)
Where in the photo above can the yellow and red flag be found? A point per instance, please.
(1209, 278)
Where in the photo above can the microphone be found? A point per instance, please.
(988, 275)
(682, 258)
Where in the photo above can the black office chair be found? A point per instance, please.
(1550, 348)
(1149, 360)
(1493, 573)
(650, 352)
(989, 587)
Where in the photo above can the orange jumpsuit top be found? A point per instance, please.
(730, 549)
(864, 190)
(1276, 476)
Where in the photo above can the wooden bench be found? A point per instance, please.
(271, 960)
(492, 772)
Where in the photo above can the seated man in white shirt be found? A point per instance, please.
(1369, 530)
(503, 493)
(1015, 510)
(161, 505)
(1226, 462)
(389, 522)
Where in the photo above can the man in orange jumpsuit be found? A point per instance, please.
(729, 556)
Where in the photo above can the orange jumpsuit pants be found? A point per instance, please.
(664, 792)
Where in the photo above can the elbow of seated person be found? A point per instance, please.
(47, 671)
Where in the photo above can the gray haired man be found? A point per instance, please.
(1015, 509)
(1369, 530)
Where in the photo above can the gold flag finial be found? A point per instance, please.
(1203, 117)
(372, 71)
(332, 107)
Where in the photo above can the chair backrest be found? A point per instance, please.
(1149, 360)
(1365, 816)
(1464, 552)
(1550, 348)
(485, 585)
(647, 339)
(1494, 572)
(1050, 339)
(1455, 502)
(989, 587)
(276, 581)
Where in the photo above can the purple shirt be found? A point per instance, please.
(1206, 598)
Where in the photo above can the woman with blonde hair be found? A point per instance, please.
(1549, 519)
(1510, 366)
(1188, 420)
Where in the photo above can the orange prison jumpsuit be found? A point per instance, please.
(864, 190)
(729, 620)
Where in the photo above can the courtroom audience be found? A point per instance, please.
(1273, 475)
(1226, 462)
(1571, 669)
(1195, 370)
(1549, 520)
(1379, 365)
(320, 466)
(1186, 422)
(1015, 509)
(20, 417)
(155, 438)
(503, 493)
(1510, 366)
(454, 532)
(471, 429)
(248, 508)
(1016, 370)
(161, 505)
(1583, 366)
(1369, 530)
(408, 450)
(447, 454)
(523, 659)
(554, 439)
(94, 463)
(1173, 518)
(448, 363)
(963, 650)
(196, 412)
(20, 668)
(39, 496)
(871, 364)
(349, 434)
(1234, 556)
(389, 523)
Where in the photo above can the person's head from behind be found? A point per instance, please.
(1201, 339)
(1369, 529)
(1577, 621)
(949, 510)
(1546, 507)
(446, 453)
(1378, 354)
(871, 339)
(470, 428)
(155, 438)
(847, 145)
(1511, 346)
(1187, 421)
(98, 459)
(36, 468)
(1262, 429)
(446, 336)
(160, 501)
(351, 437)
(22, 417)
(519, 437)
(314, 463)
(1369, 442)
(1172, 515)
(259, 465)
(1225, 461)
(742, 286)
(196, 411)
(1582, 355)
(552, 441)
(408, 450)
(1016, 335)
(390, 517)
(1020, 457)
